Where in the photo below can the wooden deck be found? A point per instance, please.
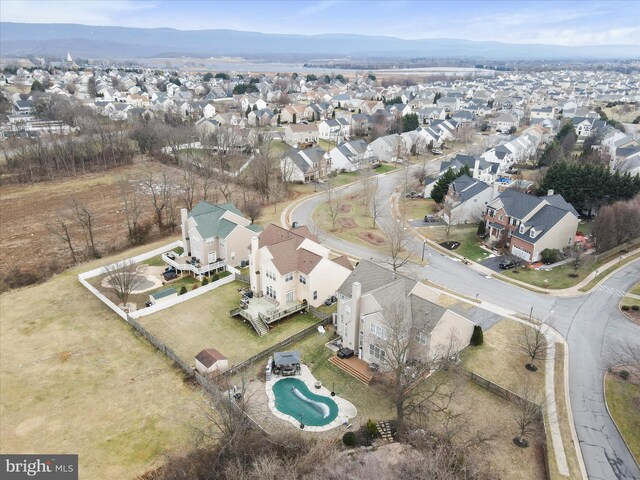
(354, 367)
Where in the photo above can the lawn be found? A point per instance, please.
(635, 289)
(500, 360)
(416, 208)
(623, 398)
(76, 379)
(465, 234)
(204, 322)
(385, 168)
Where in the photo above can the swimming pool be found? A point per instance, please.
(293, 398)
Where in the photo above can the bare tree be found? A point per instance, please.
(533, 344)
(124, 279)
(465, 133)
(407, 362)
(132, 205)
(188, 185)
(158, 187)
(397, 238)
(376, 206)
(528, 416)
(449, 212)
(85, 219)
(333, 203)
(61, 228)
(627, 354)
(367, 184)
(253, 209)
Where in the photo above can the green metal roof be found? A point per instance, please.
(209, 219)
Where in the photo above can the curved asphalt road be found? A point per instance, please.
(591, 324)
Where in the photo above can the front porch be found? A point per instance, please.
(261, 312)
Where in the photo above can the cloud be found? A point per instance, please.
(96, 12)
(316, 8)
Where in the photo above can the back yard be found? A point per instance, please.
(75, 378)
(204, 322)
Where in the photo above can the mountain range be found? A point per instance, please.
(42, 39)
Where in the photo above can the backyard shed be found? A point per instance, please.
(211, 360)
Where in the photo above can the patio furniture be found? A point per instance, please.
(317, 384)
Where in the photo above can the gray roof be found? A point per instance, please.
(542, 221)
(517, 204)
(372, 276)
(467, 187)
(558, 201)
(286, 358)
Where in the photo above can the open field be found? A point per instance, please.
(204, 322)
(635, 290)
(76, 379)
(622, 113)
(623, 400)
(33, 207)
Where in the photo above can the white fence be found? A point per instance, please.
(162, 304)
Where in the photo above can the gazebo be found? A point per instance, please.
(286, 363)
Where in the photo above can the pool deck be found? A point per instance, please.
(346, 409)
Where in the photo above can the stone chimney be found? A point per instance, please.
(254, 280)
(354, 327)
(186, 244)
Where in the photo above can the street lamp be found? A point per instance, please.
(424, 245)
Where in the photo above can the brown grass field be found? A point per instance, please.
(76, 379)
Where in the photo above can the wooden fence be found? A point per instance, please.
(625, 246)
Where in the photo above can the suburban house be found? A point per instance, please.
(505, 122)
(300, 133)
(211, 360)
(480, 168)
(470, 199)
(213, 236)
(352, 156)
(528, 224)
(389, 148)
(334, 130)
(305, 165)
(543, 112)
(295, 113)
(373, 300)
(290, 266)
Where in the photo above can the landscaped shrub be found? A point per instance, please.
(372, 428)
(349, 439)
(214, 277)
(478, 337)
(481, 228)
(635, 308)
(183, 290)
(550, 255)
(205, 281)
(195, 285)
(623, 374)
(224, 274)
(625, 307)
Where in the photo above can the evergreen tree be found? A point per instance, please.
(207, 77)
(410, 122)
(441, 187)
(36, 86)
(477, 338)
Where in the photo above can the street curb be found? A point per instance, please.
(567, 402)
(604, 394)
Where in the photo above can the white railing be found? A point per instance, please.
(198, 270)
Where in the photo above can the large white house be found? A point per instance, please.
(352, 156)
(373, 300)
(290, 266)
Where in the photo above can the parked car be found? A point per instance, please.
(295, 225)
(413, 195)
(170, 275)
(430, 218)
(436, 151)
(507, 264)
(330, 301)
(345, 352)
(169, 269)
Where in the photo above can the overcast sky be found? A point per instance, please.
(557, 22)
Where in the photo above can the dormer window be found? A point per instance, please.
(521, 228)
(532, 233)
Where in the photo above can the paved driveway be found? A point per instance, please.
(494, 262)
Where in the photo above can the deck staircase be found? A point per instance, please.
(354, 367)
(260, 327)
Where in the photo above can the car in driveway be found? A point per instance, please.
(507, 264)
(330, 301)
(430, 218)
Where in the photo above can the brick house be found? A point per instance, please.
(527, 224)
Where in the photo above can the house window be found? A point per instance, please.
(500, 217)
(288, 277)
(210, 241)
(303, 279)
(376, 352)
(521, 229)
(570, 240)
(378, 331)
(271, 292)
(421, 337)
(315, 294)
(532, 233)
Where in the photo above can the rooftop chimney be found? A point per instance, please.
(550, 192)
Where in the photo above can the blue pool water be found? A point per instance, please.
(295, 399)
